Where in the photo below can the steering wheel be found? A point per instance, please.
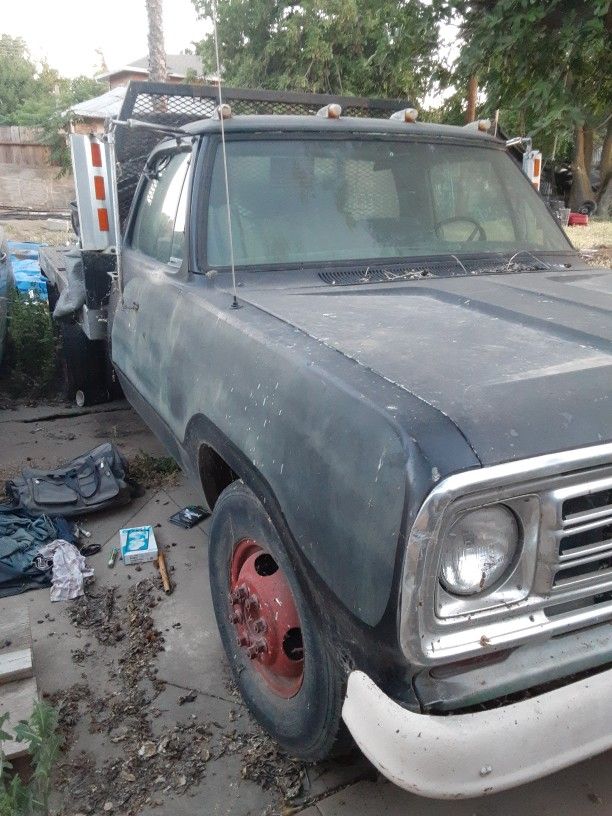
(478, 230)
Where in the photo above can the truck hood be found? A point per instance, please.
(521, 363)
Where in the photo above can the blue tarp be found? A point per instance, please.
(29, 280)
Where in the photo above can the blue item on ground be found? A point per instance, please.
(27, 277)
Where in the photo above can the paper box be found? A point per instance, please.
(137, 545)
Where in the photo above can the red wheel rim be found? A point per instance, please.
(265, 618)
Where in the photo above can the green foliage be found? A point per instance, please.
(370, 48)
(54, 122)
(153, 471)
(37, 96)
(17, 77)
(31, 346)
(39, 735)
(545, 63)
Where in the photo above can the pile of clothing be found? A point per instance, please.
(38, 545)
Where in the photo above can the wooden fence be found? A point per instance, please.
(23, 146)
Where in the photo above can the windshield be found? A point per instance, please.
(301, 200)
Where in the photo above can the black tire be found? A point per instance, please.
(307, 724)
(588, 207)
(84, 366)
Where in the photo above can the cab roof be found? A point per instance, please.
(345, 124)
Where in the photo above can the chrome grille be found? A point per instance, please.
(584, 536)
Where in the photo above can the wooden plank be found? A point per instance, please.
(15, 630)
(18, 699)
(16, 665)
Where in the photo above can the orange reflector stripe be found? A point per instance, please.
(96, 155)
(536, 168)
(103, 220)
(99, 188)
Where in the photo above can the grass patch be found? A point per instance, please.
(153, 471)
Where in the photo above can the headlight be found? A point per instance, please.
(478, 549)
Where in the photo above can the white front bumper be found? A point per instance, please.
(462, 755)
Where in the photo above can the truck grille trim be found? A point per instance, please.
(584, 535)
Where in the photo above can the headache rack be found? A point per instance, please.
(176, 105)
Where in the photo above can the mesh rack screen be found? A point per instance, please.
(177, 105)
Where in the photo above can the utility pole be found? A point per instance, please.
(470, 114)
(157, 51)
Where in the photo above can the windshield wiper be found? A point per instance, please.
(528, 252)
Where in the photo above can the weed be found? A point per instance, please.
(39, 733)
(31, 347)
(153, 471)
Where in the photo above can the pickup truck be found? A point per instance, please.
(398, 409)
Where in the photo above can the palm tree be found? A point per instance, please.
(157, 52)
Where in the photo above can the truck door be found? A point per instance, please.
(146, 327)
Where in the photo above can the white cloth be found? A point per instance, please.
(69, 569)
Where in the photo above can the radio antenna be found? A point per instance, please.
(221, 120)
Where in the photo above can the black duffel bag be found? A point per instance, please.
(91, 482)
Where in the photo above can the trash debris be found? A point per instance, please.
(69, 569)
(163, 571)
(96, 611)
(89, 549)
(155, 758)
(113, 557)
(93, 481)
(147, 750)
(81, 531)
(138, 545)
(189, 516)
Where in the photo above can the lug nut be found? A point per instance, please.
(239, 594)
(236, 617)
(251, 604)
(257, 648)
(259, 625)
(245, 641)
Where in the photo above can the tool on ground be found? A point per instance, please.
(163, 571)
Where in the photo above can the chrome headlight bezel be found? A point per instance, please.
(426, 637)
(516, 582)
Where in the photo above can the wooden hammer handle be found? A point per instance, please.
(163, 571)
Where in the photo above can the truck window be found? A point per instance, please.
(306, 200)
(470, 189)
(159, 224)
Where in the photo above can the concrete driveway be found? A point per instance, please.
(155, 726)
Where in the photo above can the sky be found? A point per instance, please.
(68, 32)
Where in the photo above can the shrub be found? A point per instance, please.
(31, 346)
(39, 733)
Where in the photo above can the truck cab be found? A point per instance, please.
(376, 351)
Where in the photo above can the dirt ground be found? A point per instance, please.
(151, 723)
(36, 230)
(594, 241)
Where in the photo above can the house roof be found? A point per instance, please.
(177, 64)
(107, 104)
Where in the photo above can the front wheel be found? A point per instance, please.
(277, 652)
